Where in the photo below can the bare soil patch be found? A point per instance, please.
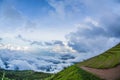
(106, 74)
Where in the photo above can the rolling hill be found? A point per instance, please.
(102, 67)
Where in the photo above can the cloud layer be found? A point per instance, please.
(42, 61)
(89, 28)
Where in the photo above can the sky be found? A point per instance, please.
(56, 28)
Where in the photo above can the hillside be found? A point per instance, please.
(22, 75)
(74, 73)
(105, 66)
(108, 59)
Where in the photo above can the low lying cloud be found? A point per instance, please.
(49, 57)
(44, 62)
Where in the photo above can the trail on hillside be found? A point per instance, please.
(107, 74)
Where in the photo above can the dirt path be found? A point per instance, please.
(107, 74)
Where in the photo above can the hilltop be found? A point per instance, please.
(102, 67)
(108, 59)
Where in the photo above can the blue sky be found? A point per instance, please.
(47, 20)
(46, 30)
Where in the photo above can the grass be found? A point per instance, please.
(22, 75)
(74, 73)
(108, 59)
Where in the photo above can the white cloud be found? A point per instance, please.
(46, 59)
(95, 38)
(92, 33)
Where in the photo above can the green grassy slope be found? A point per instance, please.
(74, 73)
(108, 59)
(23, 75)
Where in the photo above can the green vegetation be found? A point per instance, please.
(74, 73)
(22, 75)
(108, 59)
